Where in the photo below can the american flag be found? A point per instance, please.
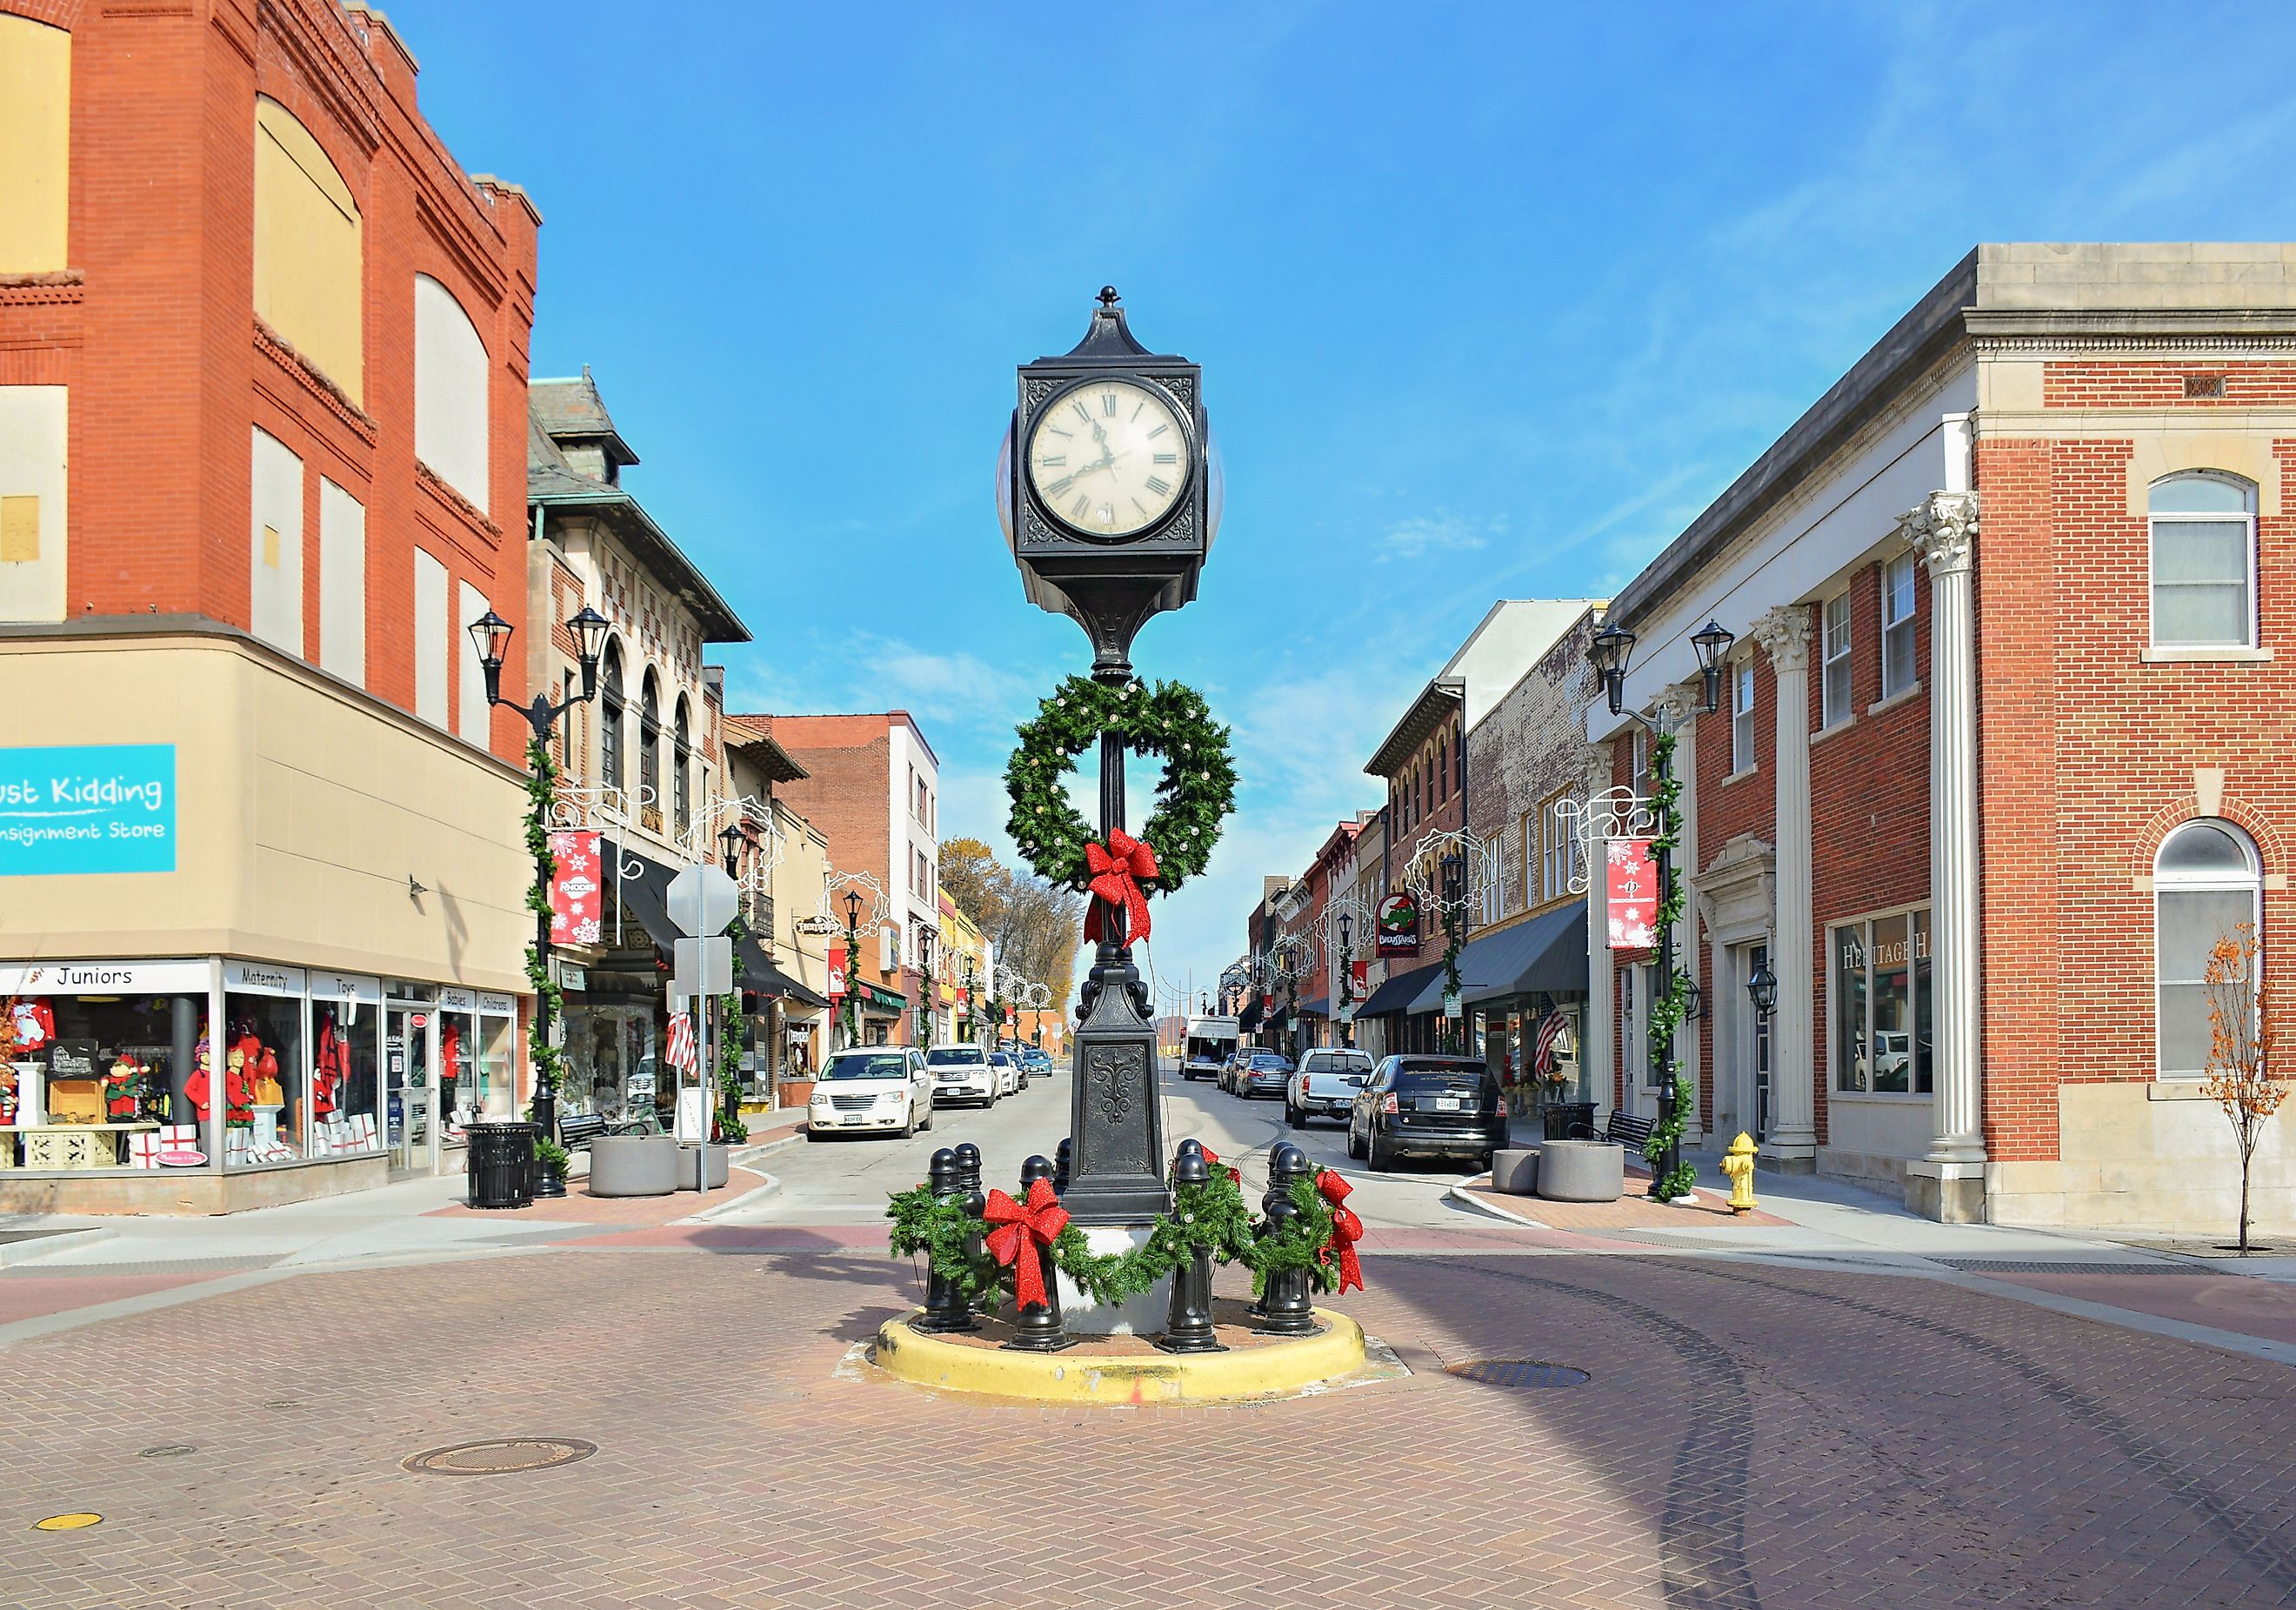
(1550, 1035)
(680, 1050)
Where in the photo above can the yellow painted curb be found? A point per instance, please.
(1272, 1370)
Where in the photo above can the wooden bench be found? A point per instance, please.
(579, 1129)
(1629, 1132)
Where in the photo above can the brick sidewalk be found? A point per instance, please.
(1633, 1210)
(578, 1206)
(1751, 1436)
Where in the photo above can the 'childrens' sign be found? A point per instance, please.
(87, 807)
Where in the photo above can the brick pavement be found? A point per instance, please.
(1751, 1435)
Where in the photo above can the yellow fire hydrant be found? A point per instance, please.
(1738, 1165)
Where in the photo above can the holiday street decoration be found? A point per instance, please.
(1194, 798)
(1347, 1229)
(1118, 870)
(1021, 1229)
(1451, 872)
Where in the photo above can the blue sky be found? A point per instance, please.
(1490, 300)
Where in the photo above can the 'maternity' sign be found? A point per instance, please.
(87, 807)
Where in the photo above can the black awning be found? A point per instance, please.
(1396, 993)
(756, 972)
(1321, 1006)
(1545, 954)
(644, 897)
(1247, 1018)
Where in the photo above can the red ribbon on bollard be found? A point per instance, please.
(1211, 1161)
(1118, 870)
(1023, 1227)
(1347, 1229)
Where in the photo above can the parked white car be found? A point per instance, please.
(869, 1088)
(963, 1073)
(1010, 1079)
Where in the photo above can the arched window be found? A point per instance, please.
(308, 261)
(2207, 883)
(681, 760)
(450, 392)
(650, 745)
(609, 720)
(2203, 525)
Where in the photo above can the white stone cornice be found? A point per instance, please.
(1595, 765)
(1678, 704)
(1942, 528)
(1784, 633)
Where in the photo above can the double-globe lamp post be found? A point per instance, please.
(852, 966)
(1612, 648)
(1346, 1015)
(491, 635)
(925, 1003)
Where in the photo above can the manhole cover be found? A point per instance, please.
(167, 1451)
(502, 1456)
(1518, 1372)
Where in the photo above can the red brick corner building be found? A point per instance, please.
(2003, 748)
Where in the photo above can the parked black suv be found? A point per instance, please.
(1428, 1106)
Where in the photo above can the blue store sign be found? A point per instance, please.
(87, 807)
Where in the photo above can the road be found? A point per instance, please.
(845, 1181)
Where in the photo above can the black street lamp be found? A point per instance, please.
(1454, 940)
(1762, 988)
(852, 966)
(925, 987)
(1610, 652)
(1346, 982)
(731, 842)
(490, 634)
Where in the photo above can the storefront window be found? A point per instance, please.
(459, 1069)
(94, 1063)
(495, 1092)
(257, 1071)
(346, 1082)
(1881, 1006)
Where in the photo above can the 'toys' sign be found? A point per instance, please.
(78, 809)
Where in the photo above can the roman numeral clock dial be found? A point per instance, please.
(1109, 457)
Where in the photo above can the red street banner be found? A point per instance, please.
(575, 888)
(837, 973)
(1631, 882)
(1398, 925)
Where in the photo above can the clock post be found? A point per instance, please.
(1109, 502)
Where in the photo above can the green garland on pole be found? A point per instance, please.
(1666, 1012)
(1211, 1214)
(1169, 719)
(550, 1003)
(731, 1130)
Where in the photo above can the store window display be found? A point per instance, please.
(265, 1089)
(95, 1060)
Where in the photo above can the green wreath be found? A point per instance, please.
(1170, 719)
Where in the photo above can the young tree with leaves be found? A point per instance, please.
(2241, 1034)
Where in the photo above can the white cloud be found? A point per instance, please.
(1422, 534)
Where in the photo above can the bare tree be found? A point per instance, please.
(1036, 924)
(2241, 1034)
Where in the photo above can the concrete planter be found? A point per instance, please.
(1582, 1170)
(633, 1165)
(719, 1160)
(1515, 1172)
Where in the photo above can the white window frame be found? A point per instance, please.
(1742, 717)
(2154, 521)
(1865, 921)
(1839, 636)
(1891, 628)
(2167, 885)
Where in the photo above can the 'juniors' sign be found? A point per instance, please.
(87, 807)
(1632, 887)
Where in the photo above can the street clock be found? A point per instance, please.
(1108, 484)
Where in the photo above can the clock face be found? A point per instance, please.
(1109, 457)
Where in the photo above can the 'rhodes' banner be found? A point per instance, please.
(87, 807)
(1632, 886)
(576, 890)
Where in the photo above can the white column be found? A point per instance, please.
(1784, 634)
(1680, 706)
(1943, 531)
(1595, 1060)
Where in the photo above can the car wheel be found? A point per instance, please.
(1380, 1154)
(909, 1125)
(811, 1135)
(1482, 1163)
(1355, 1146)
(1294, 1116)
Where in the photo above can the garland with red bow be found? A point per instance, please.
(1021, 1229)
(1193, 799)
(1347, 1229)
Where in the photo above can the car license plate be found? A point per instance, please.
(850, 1118)
(1447, 1104)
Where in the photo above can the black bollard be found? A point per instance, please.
(1188, 1321)
(976, 1200)
(946, 1309)
(1060, 1155)
(1286, 1306)
(1037, 1329)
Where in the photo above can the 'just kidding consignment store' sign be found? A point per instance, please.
(87, 809)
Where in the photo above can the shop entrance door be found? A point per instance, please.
(1753, 1046)
(410, 1089)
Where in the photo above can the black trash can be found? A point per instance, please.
(502, 1164)
(1568, 1119)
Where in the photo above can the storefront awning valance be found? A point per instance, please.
(1397, 992)
(645, 897)
(1319, 1007)
(1249, 1018)
(756, 972)
(885, 1003)
(1546, 955)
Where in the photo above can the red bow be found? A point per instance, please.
(1211, 1161)
(1347, 1229)
(1022, 1228)
(1118, 870)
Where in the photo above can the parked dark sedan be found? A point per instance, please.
(1265, 1074)
(1428, 1106)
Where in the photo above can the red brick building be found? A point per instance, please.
(2001, 747)
(263, 354)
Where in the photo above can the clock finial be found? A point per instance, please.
(1108, 297)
